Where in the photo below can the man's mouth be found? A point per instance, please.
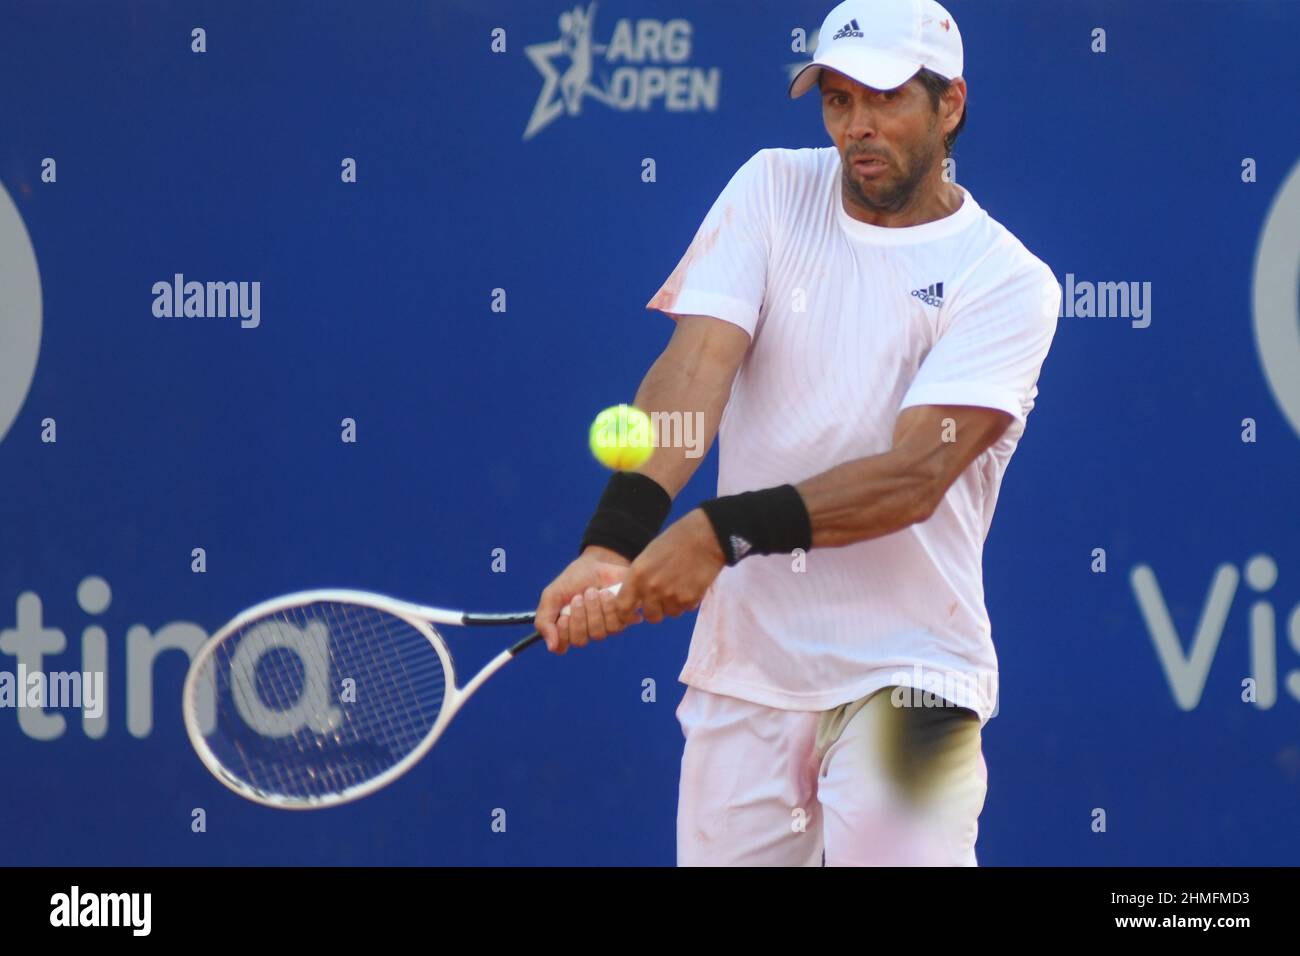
(869, 165)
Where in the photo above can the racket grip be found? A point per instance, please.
(612, 590)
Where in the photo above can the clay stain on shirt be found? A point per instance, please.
(701, 245)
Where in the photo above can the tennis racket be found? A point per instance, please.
(319, 698)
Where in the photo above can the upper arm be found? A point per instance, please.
(940, 441)
(708, 348)
(980, 376)
(692, 377)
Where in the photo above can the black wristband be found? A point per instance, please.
(771, 521)
(630, 514)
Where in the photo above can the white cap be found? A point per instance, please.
(883, 43)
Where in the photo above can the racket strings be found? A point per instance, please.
(390, 676)
(315, 700)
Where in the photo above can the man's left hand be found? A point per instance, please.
(671, 576)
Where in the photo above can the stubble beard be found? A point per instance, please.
(899, 195)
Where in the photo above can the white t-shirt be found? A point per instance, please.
(850, 323)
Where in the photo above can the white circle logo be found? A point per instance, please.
(20, 312)
(1276, 298)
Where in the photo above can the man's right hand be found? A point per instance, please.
(580, 587)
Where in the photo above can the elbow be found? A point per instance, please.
(924, 505)
(927, 490)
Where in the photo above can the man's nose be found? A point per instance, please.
(862, 122)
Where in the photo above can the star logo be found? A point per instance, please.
(643, 66)
(574, 81)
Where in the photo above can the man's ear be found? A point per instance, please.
(954, 103)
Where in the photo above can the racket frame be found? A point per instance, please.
(420, 617)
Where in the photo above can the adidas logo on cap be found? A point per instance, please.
(850, 29)
(933, 295)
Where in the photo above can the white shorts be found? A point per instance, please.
(880, 781)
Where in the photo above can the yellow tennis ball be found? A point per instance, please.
(622, 438)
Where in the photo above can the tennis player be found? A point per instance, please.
(866, 341)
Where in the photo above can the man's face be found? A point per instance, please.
(889, 140)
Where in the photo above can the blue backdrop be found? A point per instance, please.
(1156, 161)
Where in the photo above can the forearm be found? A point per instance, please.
(686, 403)
(867, 498)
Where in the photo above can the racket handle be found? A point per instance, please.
(612, 591)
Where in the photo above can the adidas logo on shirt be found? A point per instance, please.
(932, 295)
(849, 29)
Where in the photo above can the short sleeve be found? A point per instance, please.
(993, 347)
(724, 271)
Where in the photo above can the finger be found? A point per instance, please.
(683, 604)
(578, 622)
(609, 610)
(561, 633)
(596, 625)
(544, 621)
(652, 609)
(628, 600)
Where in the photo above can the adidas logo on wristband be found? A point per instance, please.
(739, 547)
